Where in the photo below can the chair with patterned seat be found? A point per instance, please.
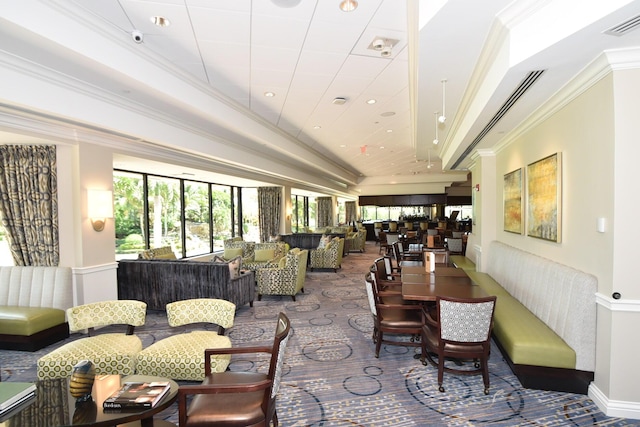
(179, 356)
(111, 353)
(461, 330)
(286, 279)
(330, 256)
(237, 398)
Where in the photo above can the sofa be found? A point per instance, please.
(545, 318)
(356, 240)
(265, 255)
(159, 282)
(33, 301)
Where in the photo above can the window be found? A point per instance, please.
(196, 215)
(165, 226)
(128, 211)
(222, 215)
(250, 226)
(5, 254)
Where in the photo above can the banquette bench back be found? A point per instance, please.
(23, 286)
(560, 296)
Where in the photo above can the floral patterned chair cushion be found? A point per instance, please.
(181, 356)
(111, 353)
(164, 252)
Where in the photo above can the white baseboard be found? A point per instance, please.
(614, 408)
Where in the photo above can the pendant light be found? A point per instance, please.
(442, 117)
(348, 5)
(435, 141)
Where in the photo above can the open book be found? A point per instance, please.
(137, 395)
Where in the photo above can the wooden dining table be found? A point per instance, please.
(421, 285)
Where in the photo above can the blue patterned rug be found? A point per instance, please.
(332, 378)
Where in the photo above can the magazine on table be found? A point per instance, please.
(137, 395)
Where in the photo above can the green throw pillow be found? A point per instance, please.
(230, 253)
(263, 255)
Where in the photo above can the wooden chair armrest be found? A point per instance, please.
(231, 350)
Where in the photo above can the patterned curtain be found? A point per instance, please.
(269, 201)
(350, 212)
(324, 208)
(29, 203)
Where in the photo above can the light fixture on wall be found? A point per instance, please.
(442, 118)
(348, 5)
(99, 207)
(435, 140)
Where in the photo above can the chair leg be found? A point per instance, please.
(293, 297)
(378, 344)
(485, 374)
(440, 373)
(259, 297)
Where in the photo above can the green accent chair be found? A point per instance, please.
(328, 257)
(286, 279)
(266, 255)
(111, 353)
(180, 356)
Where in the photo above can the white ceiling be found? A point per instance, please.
(192, 93)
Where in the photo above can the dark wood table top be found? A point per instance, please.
(419, 286)
(441, 270)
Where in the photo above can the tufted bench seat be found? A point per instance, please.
(32, 306)
(544, 320)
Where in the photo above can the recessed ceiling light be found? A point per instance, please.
(348, 5)
(343, 145)
(371, 101)
(160, 21)
(382, 147)
(317, 127)
(269, 94)
(388, 114)
(389, 130)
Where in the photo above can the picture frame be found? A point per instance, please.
(512, 199)
(544, 198)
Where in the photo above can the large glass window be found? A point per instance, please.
(222, 215)
(5, 253)
(128, 210)
(165, 226)
(196, 216)
(250, 225)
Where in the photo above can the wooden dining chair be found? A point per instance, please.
(234, 398)
(461, 331)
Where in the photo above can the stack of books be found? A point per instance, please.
(13, 395)
(136, 396)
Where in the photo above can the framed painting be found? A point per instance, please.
(544, 192)
(512, 196)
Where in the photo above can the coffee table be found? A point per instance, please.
(54, 406)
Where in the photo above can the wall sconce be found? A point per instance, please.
(99, 207)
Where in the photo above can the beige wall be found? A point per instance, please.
(596, 132)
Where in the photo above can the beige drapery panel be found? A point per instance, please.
(324, 211)
(29, 203)
(350, 212)
(269, 202)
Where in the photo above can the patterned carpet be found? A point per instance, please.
(333, 379)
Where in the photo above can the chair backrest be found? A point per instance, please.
(441, 257)
(454, 244)
(392, 238)
(368, 285)
(466, 320)
(432, 232)
(457, 234)
(201, 310)
(277, 354)
(105, 313)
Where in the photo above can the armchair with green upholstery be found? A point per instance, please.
(179, 356)
(111, 353)
(328, 257)
(357, 240)
(287, 278)
(266, 255)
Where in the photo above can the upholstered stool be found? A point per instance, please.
(181, 356)
(111, 353)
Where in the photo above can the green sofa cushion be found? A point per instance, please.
(526, 339)
(26, 321)
(264, 255)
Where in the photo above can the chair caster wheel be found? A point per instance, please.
(476, 365)
(486, 391)
(441, 389)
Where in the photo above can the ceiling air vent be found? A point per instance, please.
(524, 86)
(624, 27)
